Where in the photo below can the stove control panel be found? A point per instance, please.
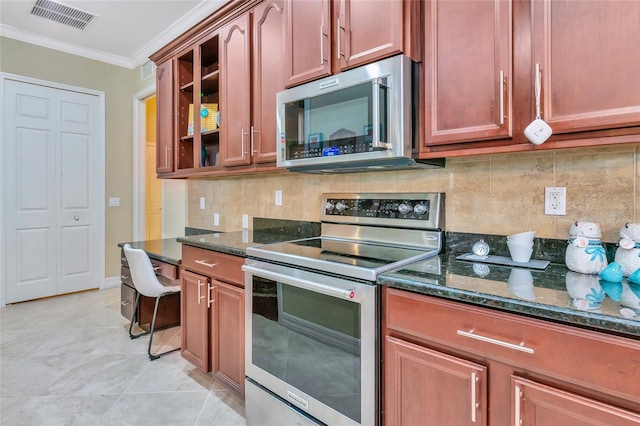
(423, 209)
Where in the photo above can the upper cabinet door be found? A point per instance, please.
(589, 58)
(268, 77)
(307, 40)
(164, 117)
(467, 67)
(367, 30)
(235, 80)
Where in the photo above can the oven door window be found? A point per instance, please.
(337, 123)
(310, 341)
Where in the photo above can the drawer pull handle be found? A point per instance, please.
(205, 263)
(470, 334)
(124, 303)
(124, 277)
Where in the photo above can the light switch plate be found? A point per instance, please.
(278, 197)
(216, 219)
(114, 201)
(245, 221)
(202, 203)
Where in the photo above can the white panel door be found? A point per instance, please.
(30, 193)
(78, 215)
(52, 215)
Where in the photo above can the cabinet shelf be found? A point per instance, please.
(211, 73)
(187, 87)
(210, 132)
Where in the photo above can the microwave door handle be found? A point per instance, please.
(376, 143)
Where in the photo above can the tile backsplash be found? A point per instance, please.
(490, 194)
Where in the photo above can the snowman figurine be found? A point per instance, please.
(585, 253)
(628, 251)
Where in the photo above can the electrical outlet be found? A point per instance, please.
(555, 200)
(201, 203)
(278, 197)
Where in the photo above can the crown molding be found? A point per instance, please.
(192, 18)
(29, 37)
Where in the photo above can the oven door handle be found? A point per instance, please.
(342, 293)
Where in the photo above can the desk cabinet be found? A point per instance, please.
(451, 363)
(169, 307)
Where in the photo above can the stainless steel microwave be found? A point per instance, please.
(358, 120)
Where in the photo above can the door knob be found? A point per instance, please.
(76, 218)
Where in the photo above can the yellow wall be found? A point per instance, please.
(496, 194)
(120, 85)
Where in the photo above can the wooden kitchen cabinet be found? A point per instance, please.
(590, 61)
(195, 319)
(227, 335)
(324, 36)
(213, 315)
(164, 118)
(187, 99)
(480, 84)
(421, 383)
(539, 405)
(468, 72)
(251, 51)
(559, 373)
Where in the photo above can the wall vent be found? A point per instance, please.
(61, 13)
(148, 69)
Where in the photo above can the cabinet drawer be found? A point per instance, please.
(125, 276)
(213, 264)
(127, 301)
(165, 269)
(595, 360)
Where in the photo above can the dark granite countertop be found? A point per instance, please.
(234, 243)
(168, 250)
(265, 231)
(536, 293)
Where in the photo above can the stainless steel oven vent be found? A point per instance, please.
(61, 13)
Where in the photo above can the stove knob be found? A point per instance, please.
(340, 206)
(329, 206)
(420, 209)
(405, 208)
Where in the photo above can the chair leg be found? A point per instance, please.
(134, 318)
(153, 326)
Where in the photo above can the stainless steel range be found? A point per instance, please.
(312, 326)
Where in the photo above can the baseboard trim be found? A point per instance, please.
(111, 282)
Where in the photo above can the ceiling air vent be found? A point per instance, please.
(61, 13)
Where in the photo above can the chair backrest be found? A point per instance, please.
(142, 273)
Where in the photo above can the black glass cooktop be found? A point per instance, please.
(343, 257)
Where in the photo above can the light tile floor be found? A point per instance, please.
(68, 360)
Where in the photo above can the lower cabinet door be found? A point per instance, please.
(542, 405)
(195, 319)
(425, 387)
(227, 336)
